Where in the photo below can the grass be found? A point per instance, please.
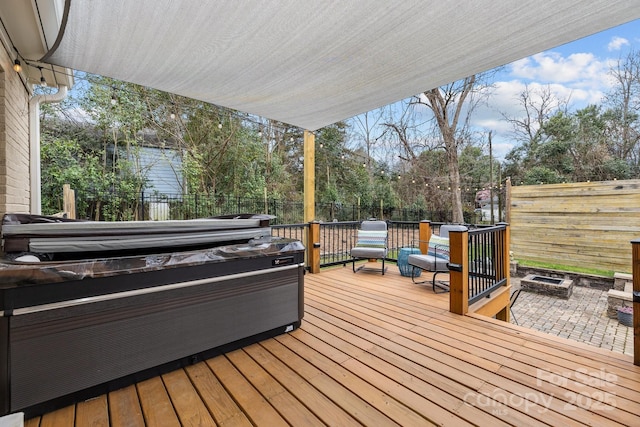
(569, 268)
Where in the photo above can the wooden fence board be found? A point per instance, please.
(578, 224)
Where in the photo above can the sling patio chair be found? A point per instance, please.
(436, 259)
(371, 243)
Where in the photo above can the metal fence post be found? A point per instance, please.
(142, 205)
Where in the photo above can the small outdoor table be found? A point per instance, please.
(403, 261)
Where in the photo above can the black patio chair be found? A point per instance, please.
(512, 300)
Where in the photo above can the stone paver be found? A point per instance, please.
(582, 317)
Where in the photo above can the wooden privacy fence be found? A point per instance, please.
(589, 224)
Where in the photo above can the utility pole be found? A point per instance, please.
(491, 179)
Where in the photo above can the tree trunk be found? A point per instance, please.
(439, 103)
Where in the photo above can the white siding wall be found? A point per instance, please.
(163, 168)
(14, 139)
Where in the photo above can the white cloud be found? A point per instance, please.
(552, 67)
(505, 100)
(617, 43)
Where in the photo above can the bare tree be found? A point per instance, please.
(624, 102)
(451, 106)
(367, 126)
(537, 106)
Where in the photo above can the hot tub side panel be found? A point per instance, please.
(77, 345)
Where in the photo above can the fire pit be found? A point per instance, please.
(552, 286)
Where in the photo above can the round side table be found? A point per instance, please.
(403, 262)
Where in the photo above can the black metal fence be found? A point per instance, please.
(487, 254)
(338, 238)
(153, 206)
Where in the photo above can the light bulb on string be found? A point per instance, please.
(17, 66)
(43, 81)
(219, 125)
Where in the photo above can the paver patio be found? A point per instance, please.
(582, 318)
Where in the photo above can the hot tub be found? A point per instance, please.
(79, 328)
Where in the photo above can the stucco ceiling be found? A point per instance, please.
(312, 63)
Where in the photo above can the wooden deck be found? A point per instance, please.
(378, 350)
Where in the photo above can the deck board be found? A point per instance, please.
(379, 350)
(157, 408)
(93, 412)
(124, 408)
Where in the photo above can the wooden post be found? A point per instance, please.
(309, 176)
(635, 259)
(424, 235)
(505, 236)
(69, 201)
(313, 247)
(459, 274)
(507, 201)
(266, 201)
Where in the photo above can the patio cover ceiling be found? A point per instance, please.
(312, 63)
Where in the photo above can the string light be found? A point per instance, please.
(43, 82)
(256, 120)
(17, 66)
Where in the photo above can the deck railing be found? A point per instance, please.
(487, 258)
(479, 257)
(479, 271)
(335, 239)
(635, 268)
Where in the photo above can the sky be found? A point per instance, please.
(577, 71)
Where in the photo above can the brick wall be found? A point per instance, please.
(14, 139)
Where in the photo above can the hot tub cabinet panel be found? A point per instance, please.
(109, 325)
